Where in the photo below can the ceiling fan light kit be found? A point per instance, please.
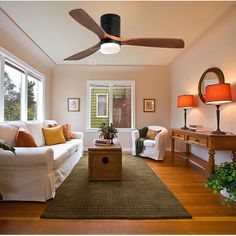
(109, 35)
(109, 48)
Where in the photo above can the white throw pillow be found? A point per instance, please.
(49, 122)
(9, 129)
(35, 128)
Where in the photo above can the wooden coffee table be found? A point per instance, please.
(105, 162)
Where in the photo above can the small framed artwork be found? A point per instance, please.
(149, 105)
(73, 104)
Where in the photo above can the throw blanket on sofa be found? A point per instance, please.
(139, 143)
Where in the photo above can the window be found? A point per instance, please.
(33, 97)
(22, 90)
(102, 105)
(12, 91)
(110, 102)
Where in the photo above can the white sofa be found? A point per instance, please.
(154, 149)
(34, 174)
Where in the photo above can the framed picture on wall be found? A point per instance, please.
(73, 104)
(149, 105)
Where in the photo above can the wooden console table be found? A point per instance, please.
(206, 140)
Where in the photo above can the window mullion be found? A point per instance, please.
(41, 99)
(133, 106)
(110, 103)
(24, 98)
(1, 88)
(88, 106)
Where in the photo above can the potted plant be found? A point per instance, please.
(108, 131)
(5, 146)
(223, 181)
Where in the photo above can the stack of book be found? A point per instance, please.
(102, 142)
(196, 128)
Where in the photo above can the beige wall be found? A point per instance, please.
(17, 43)
(216, 48)
(151, 82)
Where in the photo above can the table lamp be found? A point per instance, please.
(185, 102)
(218, 94)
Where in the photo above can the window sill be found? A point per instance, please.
(120, 130)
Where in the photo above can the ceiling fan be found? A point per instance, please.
(109, 34)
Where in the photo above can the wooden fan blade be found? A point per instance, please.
(84, 19)
(83, 54)
(154, 42)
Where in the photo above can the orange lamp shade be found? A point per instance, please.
(185, 101)
(217, 94)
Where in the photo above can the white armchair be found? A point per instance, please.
(154, 149)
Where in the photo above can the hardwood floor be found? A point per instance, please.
(185, 181)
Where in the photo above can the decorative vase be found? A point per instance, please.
(224, 193)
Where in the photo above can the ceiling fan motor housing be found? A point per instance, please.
(111, 25)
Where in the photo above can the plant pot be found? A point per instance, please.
(224, 193)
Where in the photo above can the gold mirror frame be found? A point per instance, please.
(217, 78)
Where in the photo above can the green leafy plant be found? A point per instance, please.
(224, 178)
(5, 146)
(108, 131)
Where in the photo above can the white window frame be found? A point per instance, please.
(28, 70)
(102, 94)
(110, 84)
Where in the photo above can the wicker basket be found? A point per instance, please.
(105, 163)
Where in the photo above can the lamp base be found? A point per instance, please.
(185, 128)
(218, 132)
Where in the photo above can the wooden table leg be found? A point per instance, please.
(211, 161)
(172, 150)
(187, 149)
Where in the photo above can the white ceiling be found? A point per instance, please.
(49, 25)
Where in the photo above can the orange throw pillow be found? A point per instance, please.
(151, 134)
(66, 130)
(24, 138)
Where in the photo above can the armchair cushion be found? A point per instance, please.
(149, 143)
(151, 134)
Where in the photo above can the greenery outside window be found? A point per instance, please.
(110, 102)
(22, 89)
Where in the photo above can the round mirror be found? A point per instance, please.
(211, 76)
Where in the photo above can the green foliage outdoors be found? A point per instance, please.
(224, 177)
(107, 130)
(12, 99)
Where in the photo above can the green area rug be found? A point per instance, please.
(140, 195)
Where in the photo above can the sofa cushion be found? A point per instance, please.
(35, 128)
(24, 139)
(64, 151)
(8, 131)
(54, 135)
